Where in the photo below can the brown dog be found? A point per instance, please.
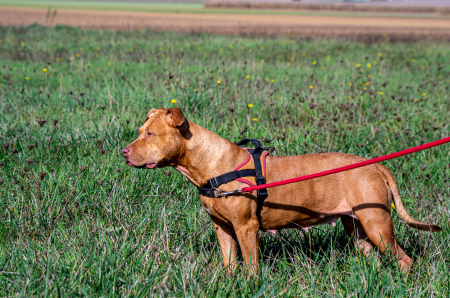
(360, 197)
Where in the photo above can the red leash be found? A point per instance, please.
(345, 168)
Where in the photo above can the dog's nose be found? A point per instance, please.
(126, 151)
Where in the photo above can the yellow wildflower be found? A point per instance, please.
(219, 82)
(381, 93)
(248, 77)
(310, 87)
(173, 101)
(250, 105)
(44, 70)
(255, 119)
(368, 65)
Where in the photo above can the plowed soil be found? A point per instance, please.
(366, 28)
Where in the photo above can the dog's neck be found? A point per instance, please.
(206, 155)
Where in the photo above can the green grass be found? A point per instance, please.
(112, 230)
(108, 5)
(189, 8)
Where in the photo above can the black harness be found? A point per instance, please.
(211, 186)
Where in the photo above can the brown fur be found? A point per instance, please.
(362, 197)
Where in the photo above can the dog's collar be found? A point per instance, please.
(209, 189)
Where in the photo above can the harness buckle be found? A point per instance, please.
(227, 193)
(214, 182)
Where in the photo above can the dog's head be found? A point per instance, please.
(160, 139)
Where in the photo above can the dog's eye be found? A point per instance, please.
(148, 134)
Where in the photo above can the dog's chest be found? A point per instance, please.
(208, 205)
(214, 208)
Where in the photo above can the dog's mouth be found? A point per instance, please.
(144, 166)
(151, 166)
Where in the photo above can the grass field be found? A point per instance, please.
(108, 5)
(76, 221)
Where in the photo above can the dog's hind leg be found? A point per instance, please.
(356, 232)
(227, 241)
(377, 224)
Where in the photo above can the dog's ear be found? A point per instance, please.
(175, 117)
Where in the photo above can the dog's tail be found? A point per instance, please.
(401, 209)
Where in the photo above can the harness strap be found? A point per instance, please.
(255, 143)
(227, 177)
(257, 152)
(208, 188)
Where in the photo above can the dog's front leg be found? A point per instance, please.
(247, 235)
(227, 241)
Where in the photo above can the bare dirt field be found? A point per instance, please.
(396, 6)
(368, 28)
